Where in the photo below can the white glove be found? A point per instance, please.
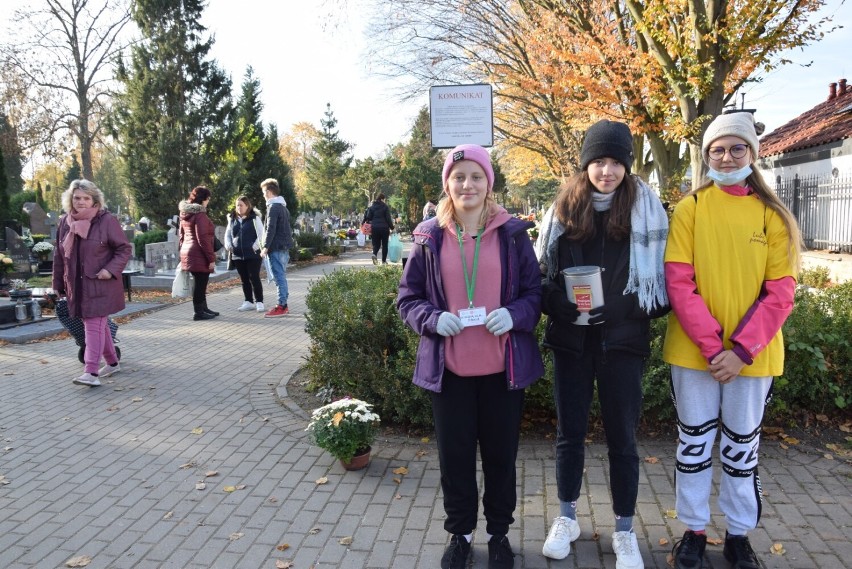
(499, 321)
(449, 324)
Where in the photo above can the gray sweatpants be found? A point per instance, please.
(702, 403)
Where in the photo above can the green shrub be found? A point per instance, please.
(818, 363)
(153, 236)
(39, 237)
(331, 250)
(818, 277)
(360, 346)
(314, 241)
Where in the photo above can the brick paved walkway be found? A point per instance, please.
(111, 472)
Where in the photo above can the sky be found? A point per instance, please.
(304, 59)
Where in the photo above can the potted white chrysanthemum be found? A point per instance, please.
(345, 428)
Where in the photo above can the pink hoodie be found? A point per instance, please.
(475, 351)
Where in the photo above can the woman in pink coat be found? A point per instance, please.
(195, 237)
(91, 252)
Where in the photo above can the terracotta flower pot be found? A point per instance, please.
(359, 461)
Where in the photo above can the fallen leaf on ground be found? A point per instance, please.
(791, 440)
(280, 564)
(420, 453)
(821, 417)
(424, 440)
(235, 536)
(397, 497)
(664, 541)
(400, 470)
(43, 361)
(596, 536)
(397, 480)
(8, 373)
(136, 399)
(777, 549)
(79, 561)
(240, 486)
(652, 459)
(113, 408)
(118, 389)
(210, 473)
(272, 500)
(200, 485)
(671, 514)
(670, 560)
(229, 488)
(283, 547)
(323, 480)
(187, 465)
(714, 541)
(168, 515)
(314, 530)
(828, 456)
(345, 540)
(782, 445)
(846, 427)
(197, 431)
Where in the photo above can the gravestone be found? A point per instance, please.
(162, 255)
(172, 233)
(219, 232)
(38, 218)
(18, 251)
(52, 221)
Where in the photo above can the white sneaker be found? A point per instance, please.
(108, 370)
(246, 306)
(87, 379)
(562, 533)
(260, 308)
(626, 550)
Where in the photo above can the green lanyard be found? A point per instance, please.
(470, 280)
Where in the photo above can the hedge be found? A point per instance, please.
(360, 347)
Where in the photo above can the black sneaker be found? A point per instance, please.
(739, 553)
(500, 554)
(455, 556)
(688, 553)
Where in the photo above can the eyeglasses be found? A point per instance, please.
(718, 152)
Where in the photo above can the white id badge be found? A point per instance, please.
(472, 316)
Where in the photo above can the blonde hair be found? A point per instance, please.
(765, 194)
(88, 188)
(446, 211)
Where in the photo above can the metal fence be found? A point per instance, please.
(823, 207)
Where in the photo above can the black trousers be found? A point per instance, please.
(618, 376)
(249, 271)
(380, 239)
(199, 292)
(471, 410)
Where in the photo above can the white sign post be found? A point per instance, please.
(461, 114)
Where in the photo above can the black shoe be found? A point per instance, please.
(455, 556)
(500, 554)
(208, 311)
(203, 316)
(688, 553)
(739, 553)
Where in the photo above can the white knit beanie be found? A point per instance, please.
(737, 123)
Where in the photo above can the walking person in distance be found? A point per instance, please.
(90, 254)
(379, 217)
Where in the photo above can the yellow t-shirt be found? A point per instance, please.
(735, 243)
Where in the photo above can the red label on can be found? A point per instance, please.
(582, 297)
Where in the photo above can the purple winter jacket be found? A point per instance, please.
(421, 301)
(106, 247)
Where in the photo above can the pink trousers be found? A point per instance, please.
(98, 343)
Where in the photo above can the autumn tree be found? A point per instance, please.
(68, 47)
(326, 167)
(295, 147)
(173, 118)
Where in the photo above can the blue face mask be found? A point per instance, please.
(730, 178)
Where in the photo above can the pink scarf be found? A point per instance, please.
(79, 223)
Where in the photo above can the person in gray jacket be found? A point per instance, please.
(277, 241)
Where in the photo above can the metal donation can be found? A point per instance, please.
(583, 286)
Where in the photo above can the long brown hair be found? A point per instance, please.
(765, 194)
(575, 211)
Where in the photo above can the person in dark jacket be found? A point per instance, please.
(379, 217)
(90, 254)
(606, 218)
(244, 240)
(277, 241)
(471, 290)
(195, 239)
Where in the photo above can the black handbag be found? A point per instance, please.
(217, 245)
